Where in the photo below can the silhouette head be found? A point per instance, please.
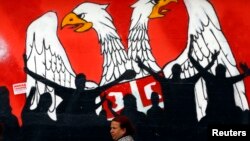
(155, 98)
(220, 70)
(80, 80)
(44, 103)
(176, 70)
(129, 101)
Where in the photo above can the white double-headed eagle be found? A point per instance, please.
(47, 57)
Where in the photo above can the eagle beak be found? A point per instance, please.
(157, 12)
(80, 25)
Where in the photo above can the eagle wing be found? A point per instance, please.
(204, 24)
(138, 46)
(138, 39)
(115, 62)
(47, 57)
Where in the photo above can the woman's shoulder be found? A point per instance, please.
(126, 138)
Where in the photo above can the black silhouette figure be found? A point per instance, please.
(155, 115)
(103, 113)
(110, 107)
(179, 101)
(221, 106)
(130, 109)
(8, 121)
(77, 112)
(138, 118)
(36, 123)
(79, 100)
(177, 92)
(41, 110)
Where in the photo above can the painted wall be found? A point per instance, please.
(168, 38)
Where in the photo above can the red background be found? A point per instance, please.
(168, 35)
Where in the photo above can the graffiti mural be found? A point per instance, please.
(173, 67)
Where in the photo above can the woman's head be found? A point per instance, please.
(121, 126)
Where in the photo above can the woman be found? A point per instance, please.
(122, 129)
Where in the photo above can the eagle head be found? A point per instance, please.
(85, 16)
(157, 10)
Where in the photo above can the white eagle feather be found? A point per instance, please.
(90, 15)
(47, 57)
(204, 24)
(138, 40)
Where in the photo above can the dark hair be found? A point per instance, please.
(125, 123)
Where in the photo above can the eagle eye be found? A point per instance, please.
(154, 1)
(81, 15)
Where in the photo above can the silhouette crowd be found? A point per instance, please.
(77, 118)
